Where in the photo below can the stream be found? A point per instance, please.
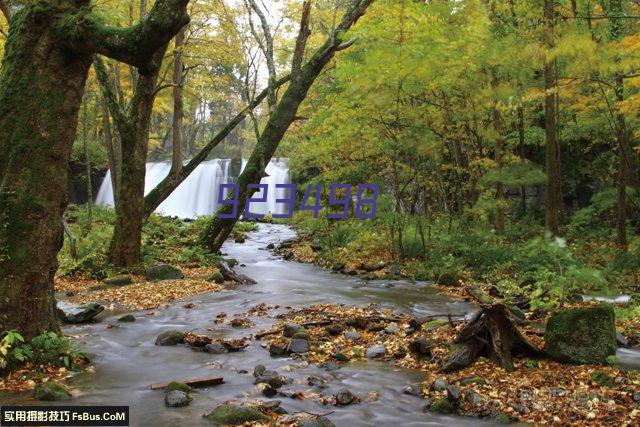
(126, 360)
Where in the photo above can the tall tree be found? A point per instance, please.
(48, 53)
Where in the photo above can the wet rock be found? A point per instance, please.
(502, 418)
(392, 329)
(352, 336)
(127, 318)
(376, 351)
(449, 278)
(163, 272)
(389, 285)
(268, 390)
(272, 378)
(51, 391)
(86, 314)
(518, 408)
(216, 277)
(168, 338)
(372, 267)
(234, 415)
(453, 394)
(271, 246)
(299, 346)
(276, 350)
(259, 370)
(441, 406)
(475, 399)
(335, 329)
(178, 386)
(351, 272)
(240, 239)
(177, 399)
(320, 421)
(291, 329)
(316, 246)
(302, 335)
(338, 266)
(329, 366)
(602, 378)
(120, 280)
(438, 385)
(622, 340)
(472, 380)
(215, 348)
(316, 381)
(413, 390)
(288, 255)
(288, 392)
(240, 371)
(421, 347)
(583, 335)
(344, 397)
(341, 357)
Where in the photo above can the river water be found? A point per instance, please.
(127, 361)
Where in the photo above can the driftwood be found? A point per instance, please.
(328, 321)
(417, 322)
(491, 332)
(228, 274)
(196, 382)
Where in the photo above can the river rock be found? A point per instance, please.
(177, 399)
(276, 350)
(268, 390)
(352, 336)
(335, 329)
(51, 391)
(302, 335)
(453, 394)
(413, 390)
(581, 335)
(622, 340)
(341, 357)
(438, 385)
(329, 366)
(394, 269)
(240, 239)
(376, 351)
(448, 279)
(338, 266)
(272, 378)
(177, 386)
(441, 406)
(163, 272)
(290, 329)
(475, 399)
(234, 415)
(344, 397)
(316, 381)
(421, 347)
(120, 280)
(168, 338)
(215, 348)
(259, 370)
(127, 318)
(299, 346)
(320, 421)
(86, 314)
(271, 246)
(316, 246)
(392, 329)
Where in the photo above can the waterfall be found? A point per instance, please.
(198, 194)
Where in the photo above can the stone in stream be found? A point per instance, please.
(268, 390)
(352, 336)
(290, 329)
(215, 347)
(272, 378)
(320, 421)
(234, 415)
(259, 370)
(299, 346)
(441, 406)
(163, 272)
(413, 390)
(177, 399)
(271, 246)
(316, 381)
(127, 318)
(169, 338)
(344, 397)
(119, 280)
(376, 351)
(178, 386)
(622, 340)
(581, 335)
(338, 266)
(329, 366)
(240, 239)
(51, 391)
(276, 350)
(87, 313)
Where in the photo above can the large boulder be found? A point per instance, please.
(234, 415)
(163, 272)
(581, 335)
(86, 314)
(51, 391)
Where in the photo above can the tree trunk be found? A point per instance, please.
(552, 207)
(41, 88)
(178, 105)
(87, 162)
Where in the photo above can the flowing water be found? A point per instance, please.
(127, 361)
(199, 194)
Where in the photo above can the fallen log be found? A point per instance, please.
(196, 382)
(417, 322)
(229, 274)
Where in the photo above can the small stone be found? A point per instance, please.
(240, 239)
(392, 329)
(271, 246)
(338, 266)
(276, 350)
(291, 329)
(269, 391)
(259, 370)
(474, 398)
(299, 346)
(359, 322)
(329, 366)
(232, 414)
(352, 336)
(320, 421)
(441, 406)
(177, 399)
(413, 390)
(127, 318)
(169, 338)
(341, 357)
(215, 348)
(453, 394)
(376, 351)
(344, 397)
(51, 391)
(272, 378)
(335, 329)
(438, 385)
(316, 381)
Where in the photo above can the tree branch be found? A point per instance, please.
(108, 93)
(135, 45)
(303, 36)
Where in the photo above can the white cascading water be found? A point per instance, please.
(198, 194)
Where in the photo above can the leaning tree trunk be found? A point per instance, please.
(41, 88)
(47, 57)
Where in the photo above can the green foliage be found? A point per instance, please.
(48, 348)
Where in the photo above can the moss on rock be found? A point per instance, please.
(51, 391)
(231, 414)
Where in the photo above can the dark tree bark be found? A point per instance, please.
(283, 114)
(178, 104)
(47, 57)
